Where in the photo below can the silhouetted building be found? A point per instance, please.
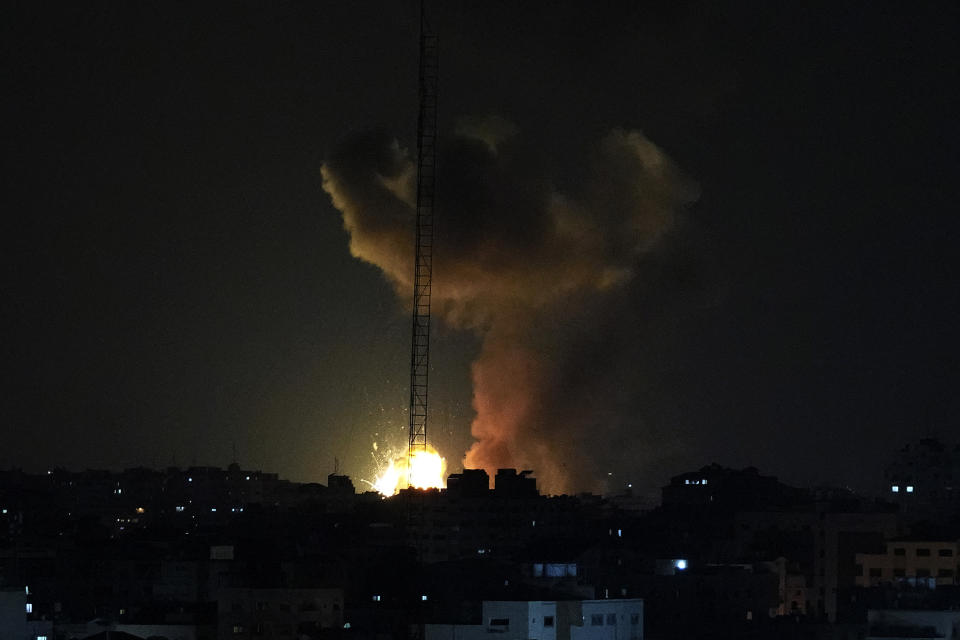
(924, 480)
(471, 483)
(722, 488)
(511, 484)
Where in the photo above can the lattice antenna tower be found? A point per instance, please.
(423, 261)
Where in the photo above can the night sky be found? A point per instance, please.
(177, 282)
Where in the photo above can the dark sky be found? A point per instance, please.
(177, 282)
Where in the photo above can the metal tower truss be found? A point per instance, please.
(423, 269)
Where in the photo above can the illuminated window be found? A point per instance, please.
(139, 509)
(376, 598)
(29, 608)
(237, 628)
(191, 480)
(179, 509)
(680, 564)
(704, 481)
(26, 590)
(423, 597)
(41, 637)
(909, 488)
(248, 477)
(619, 533)
(213, 509)
(686, 482)
(895, 489)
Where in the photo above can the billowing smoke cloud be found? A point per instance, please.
(527, 263)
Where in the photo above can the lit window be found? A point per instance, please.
(191, 480)
(4, 511)
(26, 590)
(29, 608)
(686, 482)
(213, 509)
(238, 628)
(179, 509)
(909, 488)
(895, 489)
(376, 598)
(680, 564)
(41, 637)
(619, 533)
(704, 481)
(139, 509)
(423, 597)
(248, 477)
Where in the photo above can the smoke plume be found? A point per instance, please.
(531, 265)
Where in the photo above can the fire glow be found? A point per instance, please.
(426, 471)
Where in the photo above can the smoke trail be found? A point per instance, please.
(527, 264)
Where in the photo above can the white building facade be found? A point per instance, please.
(549, 620)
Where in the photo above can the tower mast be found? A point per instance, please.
(423, 261)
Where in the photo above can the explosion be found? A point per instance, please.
(427, 470)
(549, 269)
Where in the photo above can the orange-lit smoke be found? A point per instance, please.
(522, 263)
